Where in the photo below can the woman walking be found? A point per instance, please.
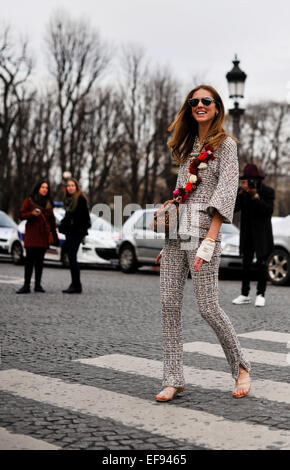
(40, 232)
(207, 186)
(75, 226)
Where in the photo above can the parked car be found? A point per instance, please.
(140, 245)
(279, 261)
(230, 244)
(101, 238)
(8, 231)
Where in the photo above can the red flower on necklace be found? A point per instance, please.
(193, 179)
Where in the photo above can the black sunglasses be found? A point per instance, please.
(207, 101)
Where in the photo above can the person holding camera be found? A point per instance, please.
(255, 200)
(40, 232)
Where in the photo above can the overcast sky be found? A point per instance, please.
(193, 37)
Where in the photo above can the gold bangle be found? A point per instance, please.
(210, 239)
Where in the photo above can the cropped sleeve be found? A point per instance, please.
(224, 195)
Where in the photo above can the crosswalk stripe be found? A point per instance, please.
(196, 427)
(266, 389)
(11, 441)
(254, 355)
(12, 281)
(274, 336)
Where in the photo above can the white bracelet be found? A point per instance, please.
(206, 249)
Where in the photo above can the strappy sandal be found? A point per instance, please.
(242, 381)
(164, 396)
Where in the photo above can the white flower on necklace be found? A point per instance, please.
(192, 178)
(202, 165)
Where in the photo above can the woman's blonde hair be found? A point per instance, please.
(185, 127)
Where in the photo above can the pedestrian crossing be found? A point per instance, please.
(12, 441)
(172, 421)
(273, 336)
(207, 379)
(254, 355)
(4, 279)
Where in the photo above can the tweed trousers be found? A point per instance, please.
(177, 259)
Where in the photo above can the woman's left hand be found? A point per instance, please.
(198, 262)
(204, 253)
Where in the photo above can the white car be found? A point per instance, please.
(8, 232)
(101, 238)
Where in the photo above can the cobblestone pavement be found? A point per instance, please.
(51, 396)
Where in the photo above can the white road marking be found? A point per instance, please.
(11, 282)
(196, 427)
(254, 355)
(11, 441)
(10, 279)
(208, 379)
(274, 336)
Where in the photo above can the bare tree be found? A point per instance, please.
(32, 145)
(265, 137)
(149, 104)
(105, 141)
(78, 58)
(15, 69)
(164, 103)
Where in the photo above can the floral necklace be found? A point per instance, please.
(198, 162)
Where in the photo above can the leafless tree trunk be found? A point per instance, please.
(78, 58)
(105, 143)
(15, 69)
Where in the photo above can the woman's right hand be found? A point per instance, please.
(158, 258)
(36, 212)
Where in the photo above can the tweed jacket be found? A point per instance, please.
(216, 192)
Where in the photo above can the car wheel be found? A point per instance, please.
(17, 253)
(279, 267)
(64, 259)
(127, 260)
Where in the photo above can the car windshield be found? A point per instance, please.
(229, 229)
(144, 221)
(102, 225)
(6, 221)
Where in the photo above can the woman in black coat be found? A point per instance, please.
(75, 226)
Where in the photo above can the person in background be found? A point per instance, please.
(40, 232)
(256, 202)
(75, 226)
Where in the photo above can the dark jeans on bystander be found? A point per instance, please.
(34, 258)
(72, 245)
(246, 275)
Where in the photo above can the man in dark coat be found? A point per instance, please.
(256, 202)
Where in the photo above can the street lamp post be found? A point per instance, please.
(236, 81)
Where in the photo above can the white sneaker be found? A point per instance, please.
(260, 301)
(242, 299)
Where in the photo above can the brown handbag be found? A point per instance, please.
(166, 218)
